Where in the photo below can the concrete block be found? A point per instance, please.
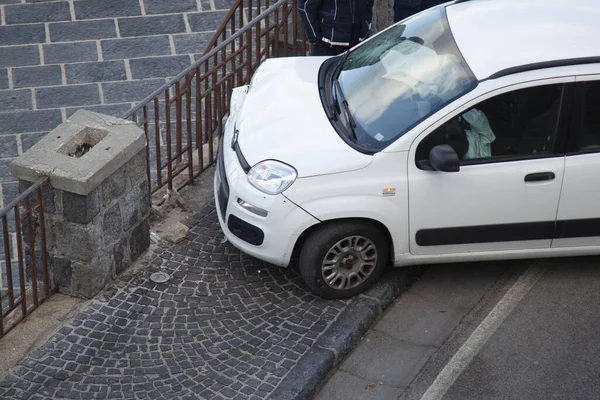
(91, 9)
(158, 67)
(172, 6)
(120, 141)
(61, 53)
(140, 239)
(120, 92)
(78, 242)
(116, 49)
(37, 76)
(203, 22)
(82, 30)
(3, 79)
(147, 26)
(62, 96)
(13, 100)
(81, 208)
(19, 55)
(112, 224)
(95, 72)
(22, 34)
(44, 12)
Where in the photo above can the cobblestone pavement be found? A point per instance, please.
(102, 55)
(224, 326)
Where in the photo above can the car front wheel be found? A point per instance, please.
(342, 259)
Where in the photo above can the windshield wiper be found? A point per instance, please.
(340, 94)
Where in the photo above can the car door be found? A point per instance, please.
(505, 196)
(578, 218)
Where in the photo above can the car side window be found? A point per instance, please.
(512, 125)
(590, 139)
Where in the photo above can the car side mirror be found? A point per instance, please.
(443, 158)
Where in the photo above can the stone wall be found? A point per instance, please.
(97, 204)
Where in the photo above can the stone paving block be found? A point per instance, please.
(30, 139)
(13, 100)
(63, 96)
(19, 55)
(158, 67)
(171, 6)
(95, 72)
(3, 79)
(29, 121)
(116, 110)
(345, 386)
(82, 30)
(133, 48)
(22, 34)
(119, 92)
(147, 26)
(191, 42)
(205, 21)
(417, 321)
(8, 146)
(37, 76)
(91, 9)
(61, 53)
(42, 12)
(381, 358)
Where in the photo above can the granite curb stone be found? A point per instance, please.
(343, 335)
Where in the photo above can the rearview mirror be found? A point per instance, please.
(443, 158)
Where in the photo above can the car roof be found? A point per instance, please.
(495, 35)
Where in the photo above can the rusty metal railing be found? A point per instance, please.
(182, 119)
(24, 273)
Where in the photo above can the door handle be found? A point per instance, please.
(540, 176)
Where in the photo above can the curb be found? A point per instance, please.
(343, 335)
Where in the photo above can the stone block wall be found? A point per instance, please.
(96, 207)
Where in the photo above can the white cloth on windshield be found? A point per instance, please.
(480, 136)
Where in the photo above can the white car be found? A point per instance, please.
(470, 131)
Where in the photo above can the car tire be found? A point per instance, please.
(342, 259)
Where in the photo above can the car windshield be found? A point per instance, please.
(400, 77)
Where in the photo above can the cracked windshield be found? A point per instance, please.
(402, 76)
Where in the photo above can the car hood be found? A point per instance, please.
(282, 118)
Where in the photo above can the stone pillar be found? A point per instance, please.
(97, 221)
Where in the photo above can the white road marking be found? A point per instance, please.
(481, 335)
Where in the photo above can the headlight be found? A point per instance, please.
(271, 177)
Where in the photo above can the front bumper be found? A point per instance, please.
(271, 238)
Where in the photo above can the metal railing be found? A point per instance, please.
(183, 118)
(24, 273)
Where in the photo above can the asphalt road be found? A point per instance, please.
(534, 337)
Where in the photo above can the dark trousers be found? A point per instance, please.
(323, 49)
